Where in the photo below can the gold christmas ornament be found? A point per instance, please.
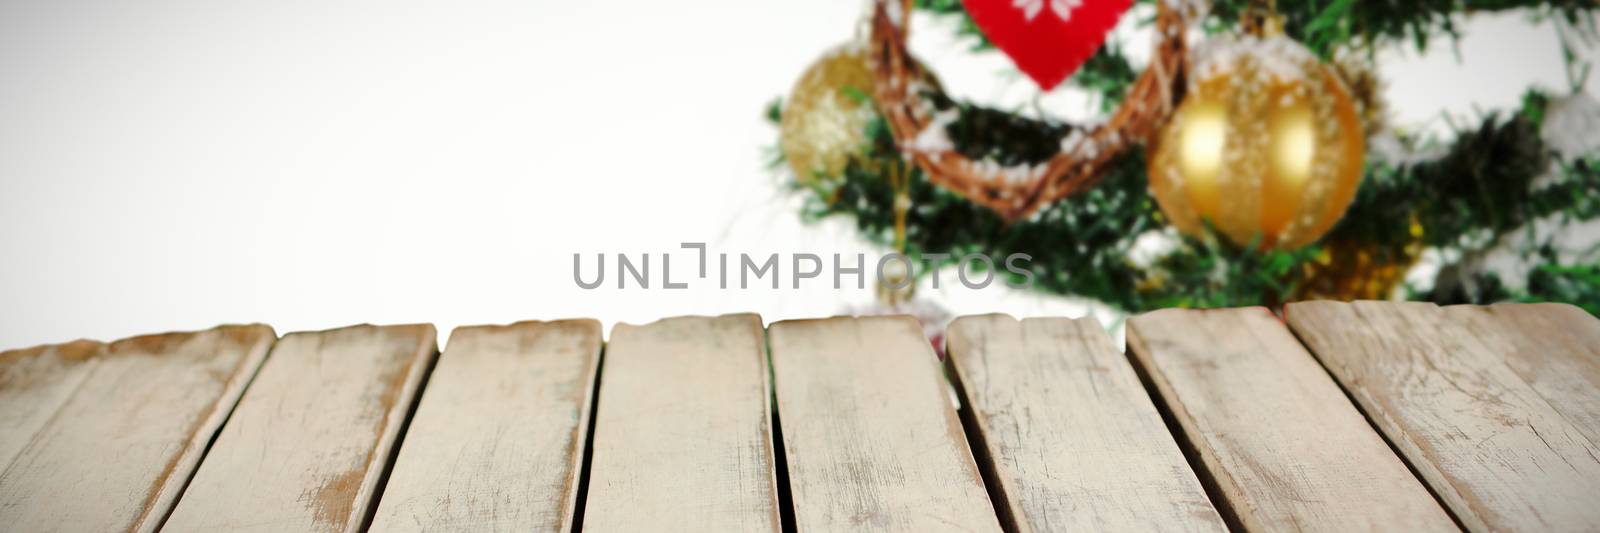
(1267, 143)
(824, 122)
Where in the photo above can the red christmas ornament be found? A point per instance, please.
(1047, 39)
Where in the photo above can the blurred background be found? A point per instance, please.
(175, 164)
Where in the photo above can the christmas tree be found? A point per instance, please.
(1247, 162)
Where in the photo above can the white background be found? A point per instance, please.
(175, 164)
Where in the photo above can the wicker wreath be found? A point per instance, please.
(1016, 192)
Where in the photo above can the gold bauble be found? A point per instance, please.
(824, 122)
(1267, 144)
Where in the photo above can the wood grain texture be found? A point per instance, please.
(1283, 444)
(1075, 441)
(120, 448)
(1490, 446)
(308, 443)
(871, 439)
(497, 440)
(682, 435)
(34, 384)
(1555, 348)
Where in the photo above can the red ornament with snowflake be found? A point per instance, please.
(1047, 39)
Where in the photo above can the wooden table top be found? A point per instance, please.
(1335, 417)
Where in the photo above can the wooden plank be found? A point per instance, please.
(871, 440)
(34, 384)
(497, 441)
(1492, 449)
(682, 439)
(308, 443)
(119, 450)
(1285, 447)
(1075, 442)
(1555, 348)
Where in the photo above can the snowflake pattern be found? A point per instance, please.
(1061, 8)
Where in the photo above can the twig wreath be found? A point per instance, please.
(1017, 191)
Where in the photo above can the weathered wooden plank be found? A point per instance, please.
(1075, 442)
(682, 439)
(1555, 348)
(1492, 449)
(34, 384)
(871, 439)
(308, 443)
(1286, 448)
(497, 440)
(119, 450)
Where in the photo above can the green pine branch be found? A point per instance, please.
(1083, 246)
